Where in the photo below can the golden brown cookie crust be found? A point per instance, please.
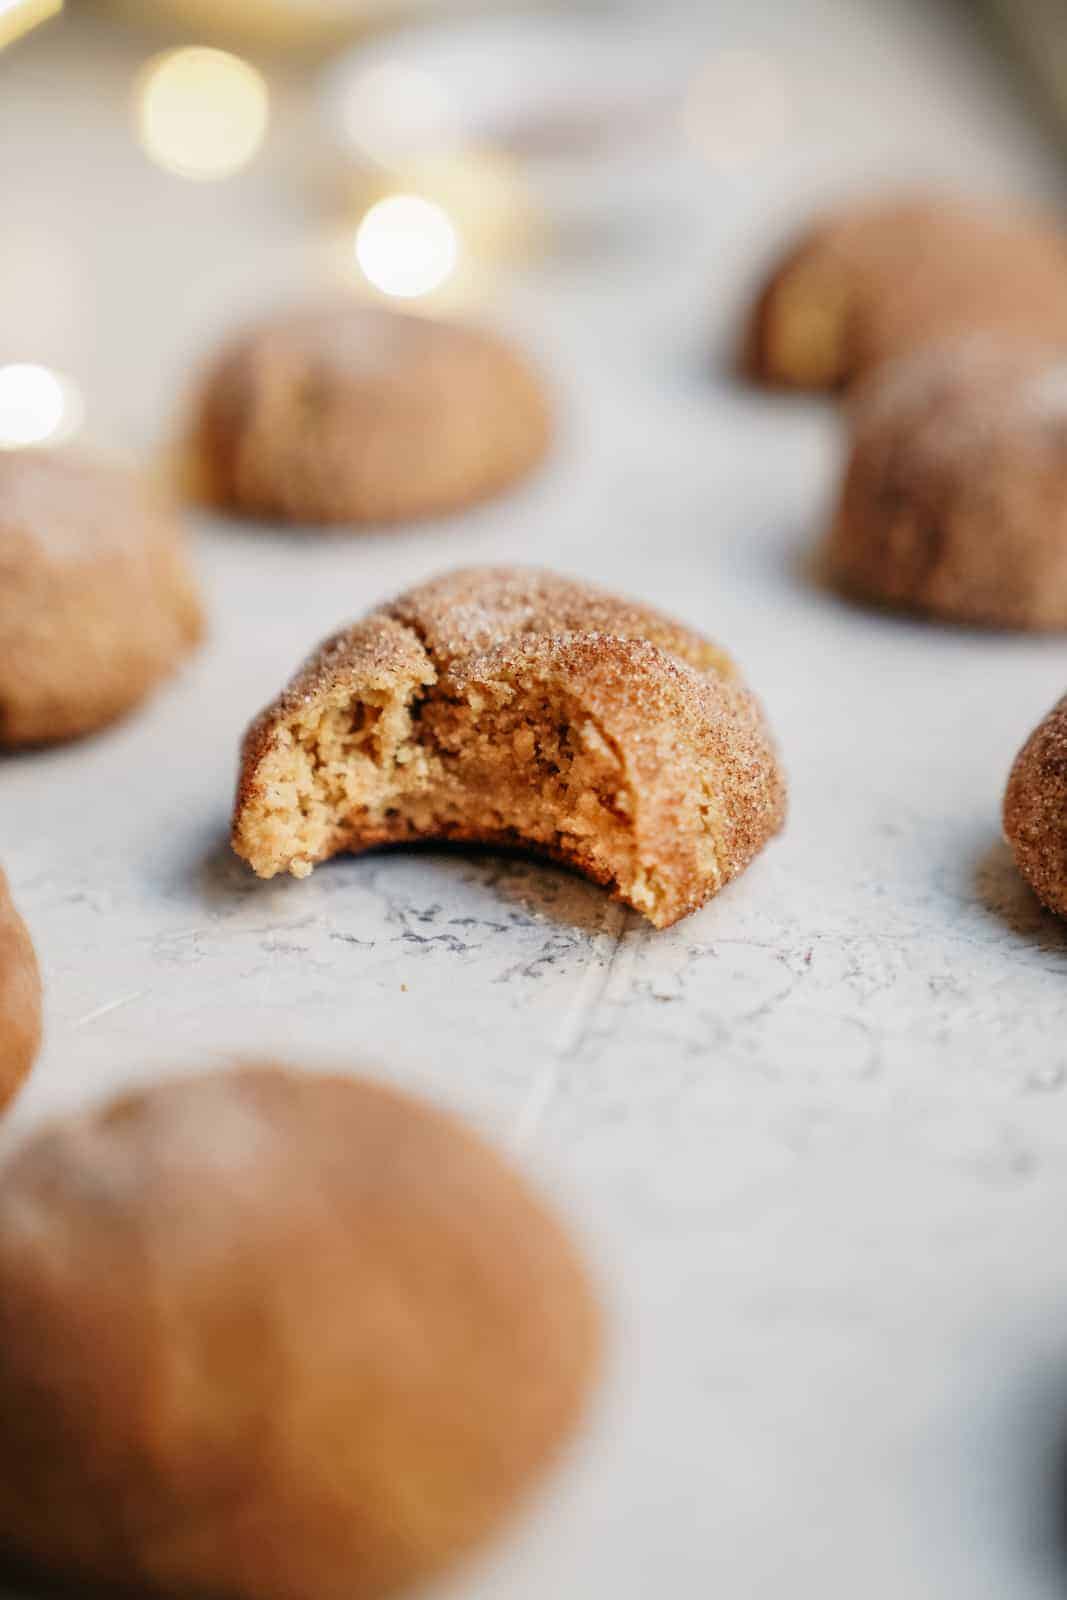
(357, 413)
(20, 999)
(954, 501)
(266, 1334)
(1035, 809)
(97, 602)
(874, 282)
(512, 706)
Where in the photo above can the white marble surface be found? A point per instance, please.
(816, 1135)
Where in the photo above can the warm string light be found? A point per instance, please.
(37, 406)
(438, 214)
(19, 16)
(407, 246)
(202, 113)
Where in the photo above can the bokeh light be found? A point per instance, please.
(407, 246)
(202, 113)
(19, 16)
(389, 111)
(37, 406)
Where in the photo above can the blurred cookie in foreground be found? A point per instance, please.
(515, 707)
(20, 999)
(873, 282)
(266, 1334)
(1035, 810)
(356, 413)
(954, 500)
(97, 600)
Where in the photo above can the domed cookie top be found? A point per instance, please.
(1035, 809)
(515, 707)
(266, 1334)
(954, 501)
(20, 999)
(97, 603)
(873, 282)
(356, 413)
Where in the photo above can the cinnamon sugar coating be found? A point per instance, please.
(20, 999)
(355, 413)
(267, 1334)
(1035, 809)
(873, 282)
(954, 500)
(97, 602)
(514, 707)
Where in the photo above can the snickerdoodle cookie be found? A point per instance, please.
(954, 500)
(266, 1335)
(1035, 809)
(512, 706)
(97, 603)
(872, 282)
(20, 999)
(357, 413)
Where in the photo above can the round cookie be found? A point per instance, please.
(1035, 810)
(356, 413)
(20, 999)
(97, 603)
(954, 500)
(874, 282)
(511, 706)
(266, 1334)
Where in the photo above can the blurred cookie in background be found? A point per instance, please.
(1035, 810)
(954, 501)
(97, 599)
(872, 282)
(20, 999)
(266, 1333)
(360, 414)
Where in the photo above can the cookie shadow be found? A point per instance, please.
(221, 878)
(539, 890)
(1005, 896)
(1030, 1429)
(528, 887)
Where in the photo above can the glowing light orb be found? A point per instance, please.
(37, 406)
(202, 113)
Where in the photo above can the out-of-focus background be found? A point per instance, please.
(813, 1136)
(171, 164)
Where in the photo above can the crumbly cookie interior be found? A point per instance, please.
(502, 763)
